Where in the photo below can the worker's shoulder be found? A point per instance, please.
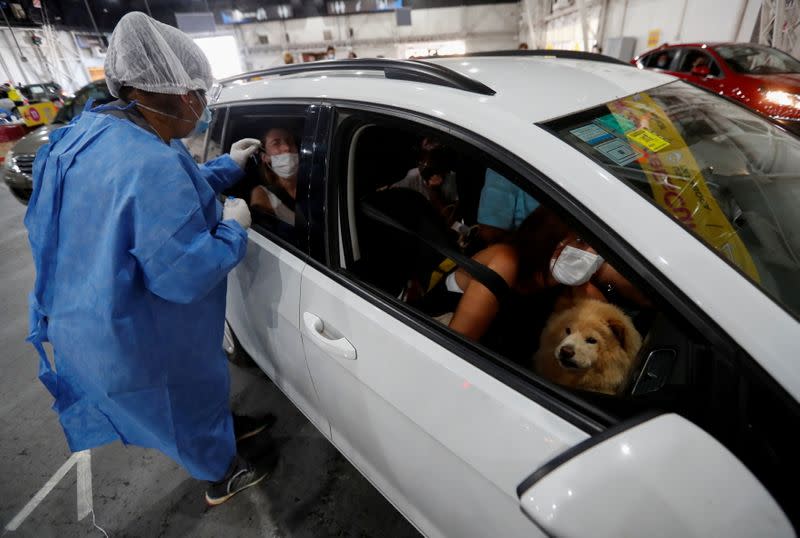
(123, 142)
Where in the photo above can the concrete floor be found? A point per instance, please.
(138, 492)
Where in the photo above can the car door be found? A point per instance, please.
(423, 424)
(264, 289)
(447, 430)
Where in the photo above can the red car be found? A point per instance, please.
(764, 79)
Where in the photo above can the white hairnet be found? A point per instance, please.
(149, 55)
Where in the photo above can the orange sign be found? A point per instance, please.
(653, 37)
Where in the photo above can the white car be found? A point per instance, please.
(691, 197)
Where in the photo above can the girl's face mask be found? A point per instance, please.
(574, 266)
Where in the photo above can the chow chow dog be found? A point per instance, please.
(589, 345)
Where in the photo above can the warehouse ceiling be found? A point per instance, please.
(73, 14)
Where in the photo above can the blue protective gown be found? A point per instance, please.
(131, 261)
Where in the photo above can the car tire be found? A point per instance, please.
(234, 350)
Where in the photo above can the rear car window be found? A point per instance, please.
(723, 172)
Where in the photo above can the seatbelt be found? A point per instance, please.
(478, 271)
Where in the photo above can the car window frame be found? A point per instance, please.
(568, 406)
(685, 51)
(669, 68)
(307, 152)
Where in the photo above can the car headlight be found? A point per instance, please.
(782, 98)
(9, 162)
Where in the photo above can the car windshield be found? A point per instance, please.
(753, 59)
(725, 173)
(36, 90)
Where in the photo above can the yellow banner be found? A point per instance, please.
(677, 182)
(38, 114)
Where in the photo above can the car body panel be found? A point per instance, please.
(406, 407)
(262, 309)
(604, 484)
(755, 322)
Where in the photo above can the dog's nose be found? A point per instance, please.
(565, 357)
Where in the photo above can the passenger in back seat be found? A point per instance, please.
(434, 177)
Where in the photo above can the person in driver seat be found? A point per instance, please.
(278, 165)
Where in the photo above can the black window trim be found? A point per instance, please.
(589, 418)
(300, 251)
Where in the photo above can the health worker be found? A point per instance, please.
(131, 249)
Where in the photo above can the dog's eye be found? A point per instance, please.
(591, 340)
(568, 331)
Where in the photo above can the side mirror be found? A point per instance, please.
(701, 71)
(662, 477)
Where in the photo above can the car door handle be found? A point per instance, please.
(328, 338)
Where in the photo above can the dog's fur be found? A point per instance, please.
(565, 357)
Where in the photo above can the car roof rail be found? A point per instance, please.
(411, 70)
(553, 53)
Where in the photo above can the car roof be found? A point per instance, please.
(535, 88)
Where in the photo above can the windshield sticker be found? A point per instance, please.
(592, 134)
(618, 151)
(616, 123)
(677, 180)
(648, 139)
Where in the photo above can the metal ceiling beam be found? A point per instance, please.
(780, 24)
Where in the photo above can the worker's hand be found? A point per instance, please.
(236, 209)
(242, 149)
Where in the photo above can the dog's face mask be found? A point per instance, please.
(584, 343)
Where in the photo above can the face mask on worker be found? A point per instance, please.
(203, 120)
(200, 126)
(285, 164)
(574, 266)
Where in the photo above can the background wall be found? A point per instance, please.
(668, 20)
(58, 58)
(480, 27)
(473, 28)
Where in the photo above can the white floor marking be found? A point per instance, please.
(84, 466)
(83, 461)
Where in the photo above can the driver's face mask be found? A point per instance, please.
(574, 266)
(285, 164)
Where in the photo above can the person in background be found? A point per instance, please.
(330, 53)
(502, 208)
(351, 55)
(131, 258)
(523, 46)
(288, 58)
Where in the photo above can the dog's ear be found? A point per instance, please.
(619, 330)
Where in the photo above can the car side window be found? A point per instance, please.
(694, 58)
(415, 206)
(272, 174)
(661, 59)
(451, 233)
